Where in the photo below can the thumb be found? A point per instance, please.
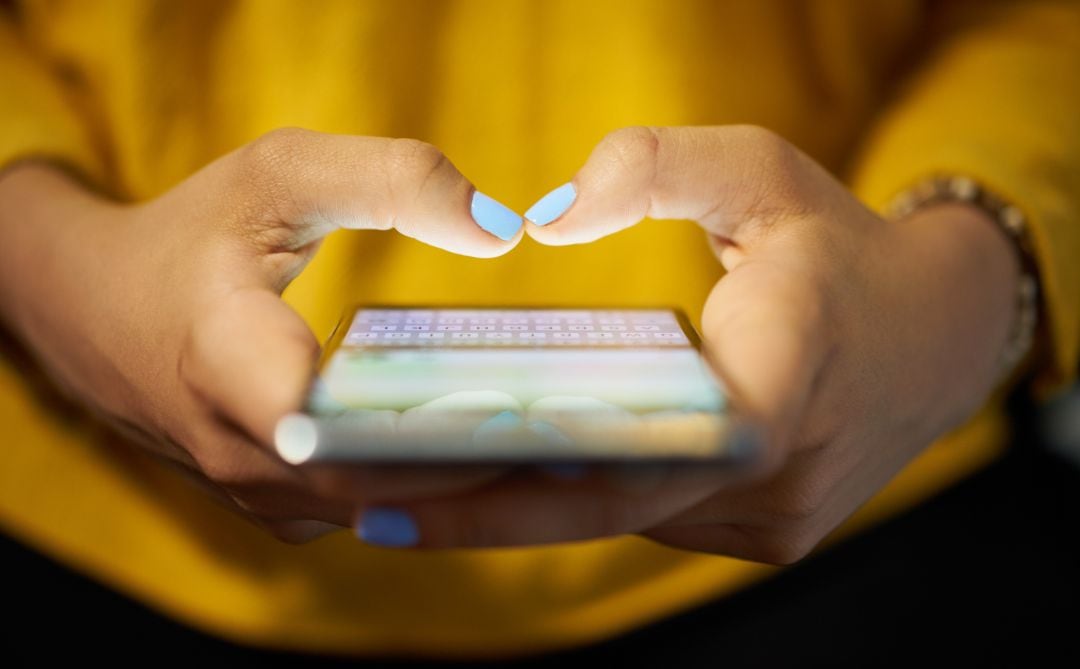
(291, 187)
(249, 353)
(765, 335)
(729, 179)
(250, 356)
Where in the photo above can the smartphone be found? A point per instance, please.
(510, 385)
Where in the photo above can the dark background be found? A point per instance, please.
(985, 574)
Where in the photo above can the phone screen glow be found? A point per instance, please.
(465, 383)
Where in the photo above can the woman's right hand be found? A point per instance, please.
(166, 317)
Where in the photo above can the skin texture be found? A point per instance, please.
(145, 312)
(848, 343)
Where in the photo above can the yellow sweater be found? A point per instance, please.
(137, 94)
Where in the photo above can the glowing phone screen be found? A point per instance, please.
(461, 384)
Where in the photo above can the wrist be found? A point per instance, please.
(965, 276)
(47, 230)
(60, 280)
(1011, 225)
(978, 240)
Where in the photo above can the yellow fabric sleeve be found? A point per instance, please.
(996, 97)
(37, 118)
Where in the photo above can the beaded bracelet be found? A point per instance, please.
(1011, 221)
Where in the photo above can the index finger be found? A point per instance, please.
(313, 183)
(726, 178)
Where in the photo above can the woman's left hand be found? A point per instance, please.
(849, 342)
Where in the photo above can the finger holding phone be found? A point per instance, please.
(850, 342)
(166, 317)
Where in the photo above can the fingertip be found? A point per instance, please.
(558, 233)
(296, 437)
(470, 223)
(490, 246)
(553, 205)
(576, 213)
(463, 236)
(495, 217)
(504, 246)
(387, 527)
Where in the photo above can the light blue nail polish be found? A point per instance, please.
(550, 433)
(552, 205)
(498, 427)
(495, 217)
(388, 527)
(505, 419)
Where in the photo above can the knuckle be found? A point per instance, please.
(276, 147)
(414, 156)
(761, 138)
(265, 164)
(633, 146)
(768, 146)
(414, 166)
(631, 156)
(269, 154)
(415, 161)
(779, 169)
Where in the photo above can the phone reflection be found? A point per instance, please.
(492, 425)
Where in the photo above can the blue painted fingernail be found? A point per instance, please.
(498, 426)
(550, 433)
(495, 217)
(504, 419)
(388, 527)
(552, 205)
